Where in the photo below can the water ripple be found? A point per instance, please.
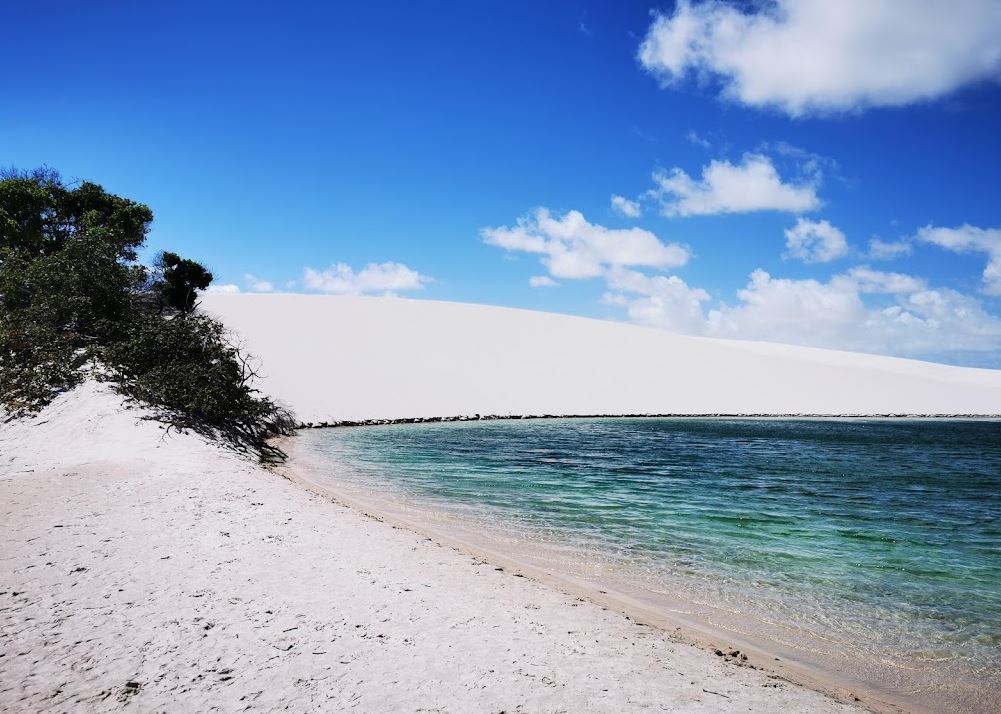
(869, 542)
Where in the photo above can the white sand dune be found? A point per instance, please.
(347, 358)
(152, 572)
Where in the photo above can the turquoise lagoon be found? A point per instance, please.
(865, 550)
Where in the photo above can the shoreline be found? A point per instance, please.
(345, 423)
(154, 570)
(300, 470)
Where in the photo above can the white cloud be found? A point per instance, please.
(822, 56)
(753, 185)
(573, 248)
(809, 163)
(888, 250)
(833, 314)
(665, 300)
(226, 288)
(868, 281)
(859, 309)
(794, 311)
(815, 242)
(904, 317)
(628, 208)
(257, 285)
(696, 140)
(967, 238)
(384, 278)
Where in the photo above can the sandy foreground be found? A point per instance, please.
(159, 572)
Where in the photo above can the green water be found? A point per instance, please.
(871, 549)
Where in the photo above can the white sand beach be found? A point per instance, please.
(352, 358)
(159, 572)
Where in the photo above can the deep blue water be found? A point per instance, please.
(868, 547)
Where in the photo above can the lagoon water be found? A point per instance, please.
(866, 550)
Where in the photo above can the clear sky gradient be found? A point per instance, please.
(278, 141)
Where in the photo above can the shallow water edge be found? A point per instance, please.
(308, 472)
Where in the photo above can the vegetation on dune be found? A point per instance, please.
(73, 295)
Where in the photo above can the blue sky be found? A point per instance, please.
(300, 142)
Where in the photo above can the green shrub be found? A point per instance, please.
(72, 293)
(179, 281)
(36, 364)
(185, 366)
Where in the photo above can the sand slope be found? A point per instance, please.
(333, 358)
(161, 573)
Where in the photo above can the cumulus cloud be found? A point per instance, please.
(794, 311)
(888, 250)
(257, 285)
(630, 209)
(379, 278)
(815, 242)
(571, 247)
(226, 288)
(861, 309)
(967, 238)
(661, 300)
(542, 281)
(833, 314)
(752, 185)
(819, 56)
(868, 281)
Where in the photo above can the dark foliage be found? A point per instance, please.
(39, 214)
(185, 365)
(67, 256)
(36, 364)
(179, 281)
(71, 293)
